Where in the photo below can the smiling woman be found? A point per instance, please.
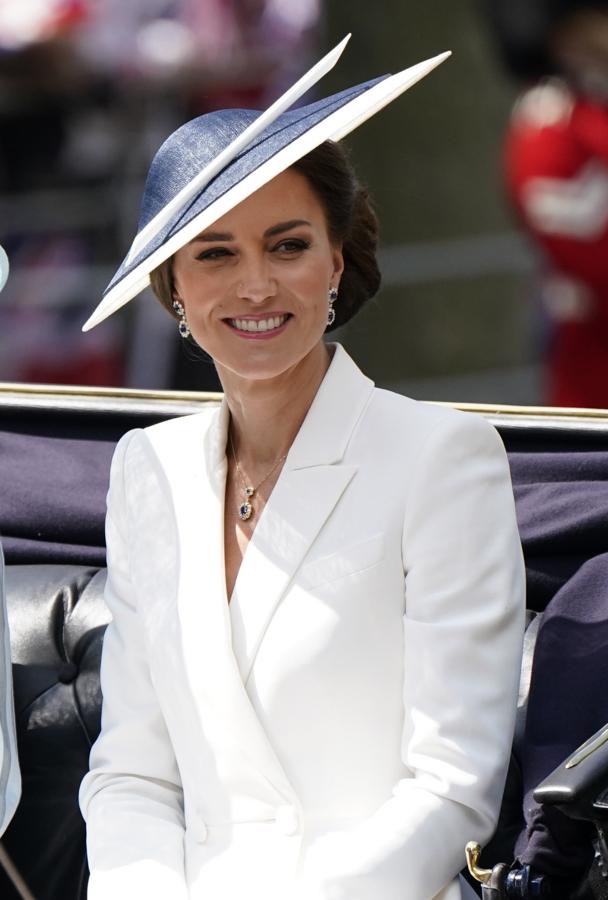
(312, 586)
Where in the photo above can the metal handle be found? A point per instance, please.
(473, 851)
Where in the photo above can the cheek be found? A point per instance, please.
(202, 295)
(313, 283)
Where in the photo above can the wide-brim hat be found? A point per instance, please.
(213, 163)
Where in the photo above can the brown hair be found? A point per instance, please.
(351, 221)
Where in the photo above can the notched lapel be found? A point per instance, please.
(196, 469)
(213, 635)
(311, 484)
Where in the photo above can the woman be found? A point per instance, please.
(274, 726)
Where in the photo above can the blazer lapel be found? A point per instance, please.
(219, 643)
(295, 513)
(197, 473)
(309, 487)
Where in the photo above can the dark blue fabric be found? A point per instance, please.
(562, 511)
(53, 498)
(54, 471)
(193, 146)
(562, 508)
(567, 704)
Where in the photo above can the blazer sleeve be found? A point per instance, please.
(132, 797)
(463, 629)
(10, 777)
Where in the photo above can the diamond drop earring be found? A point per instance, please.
(182, 324)
(332, 297)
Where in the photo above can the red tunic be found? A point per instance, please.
(556, 162)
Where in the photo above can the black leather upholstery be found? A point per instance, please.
(57, 618)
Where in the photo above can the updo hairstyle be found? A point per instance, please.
(351, 221)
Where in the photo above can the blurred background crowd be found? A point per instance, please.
(490, 179)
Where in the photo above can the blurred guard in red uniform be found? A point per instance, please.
(556, 168)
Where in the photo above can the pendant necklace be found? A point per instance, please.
(246, 509)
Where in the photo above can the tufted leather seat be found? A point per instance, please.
(57, 618)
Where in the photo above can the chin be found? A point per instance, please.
(259, 370)
(262, 363)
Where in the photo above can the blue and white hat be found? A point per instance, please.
(209, 165)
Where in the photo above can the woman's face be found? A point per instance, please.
(255, 284)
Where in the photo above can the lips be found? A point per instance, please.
(258, 325)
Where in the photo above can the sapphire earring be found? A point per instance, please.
(332, 297)
(182, 324)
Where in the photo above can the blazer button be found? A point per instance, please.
(199, 831)
(287, 820)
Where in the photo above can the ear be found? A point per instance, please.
(175, 295)
(338, 264)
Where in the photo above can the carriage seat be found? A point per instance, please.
(55, 452)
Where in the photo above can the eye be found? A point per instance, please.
(214, 253)
(291, 246)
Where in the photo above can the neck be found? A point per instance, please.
(266, 414)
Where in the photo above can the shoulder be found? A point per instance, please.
(142, 447)
(540, 140)
(542, 137)
(170, 432)
(546, 105)
(395, 420)
(418, 424)
(182, 427)
(425, 443)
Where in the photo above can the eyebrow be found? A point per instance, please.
(285, 226)
(219, 236)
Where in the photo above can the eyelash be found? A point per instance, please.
(288, 245)
(214, 253)
(293, 245)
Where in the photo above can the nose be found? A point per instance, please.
(256, 284)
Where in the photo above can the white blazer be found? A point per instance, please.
(10, 776)
(341, 729)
